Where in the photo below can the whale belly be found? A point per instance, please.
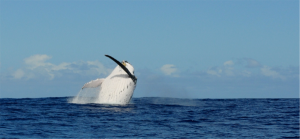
(116, 90)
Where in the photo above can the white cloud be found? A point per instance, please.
(61, 66)
(229, 71)
(36, 66)
(266, 71)
(228, 68)
(251, 63)
(168, 69)
(18, 74)
(239, 70)
(228, 63)
(221, 71)
(214, 72)
(37, 61)
(246, 73)
(99, 67)
(89, 68)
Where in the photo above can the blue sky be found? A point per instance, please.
(183, 49)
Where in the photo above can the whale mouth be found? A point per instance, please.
(122, 65)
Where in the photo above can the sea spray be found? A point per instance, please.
(87, 95)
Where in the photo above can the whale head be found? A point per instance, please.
(125, 65)
(128, 66)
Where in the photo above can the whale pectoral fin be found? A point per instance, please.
(93, 83)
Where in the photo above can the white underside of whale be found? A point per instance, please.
(117, 88)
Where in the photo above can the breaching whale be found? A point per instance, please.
(118, 87)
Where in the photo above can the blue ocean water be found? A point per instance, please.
(150, 118)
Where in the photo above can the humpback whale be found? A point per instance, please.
(118, 87)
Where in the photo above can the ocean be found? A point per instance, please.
(150, 117)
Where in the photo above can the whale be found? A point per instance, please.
(116, 88)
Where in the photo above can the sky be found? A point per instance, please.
(181, 49)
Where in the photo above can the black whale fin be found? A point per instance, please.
(124, 68)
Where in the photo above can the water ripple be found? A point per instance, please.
(150, 118)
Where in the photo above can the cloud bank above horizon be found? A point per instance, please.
(37, 66)
(164, 82)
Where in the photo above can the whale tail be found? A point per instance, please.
(93, 83)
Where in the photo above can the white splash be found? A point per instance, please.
(84, 96)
